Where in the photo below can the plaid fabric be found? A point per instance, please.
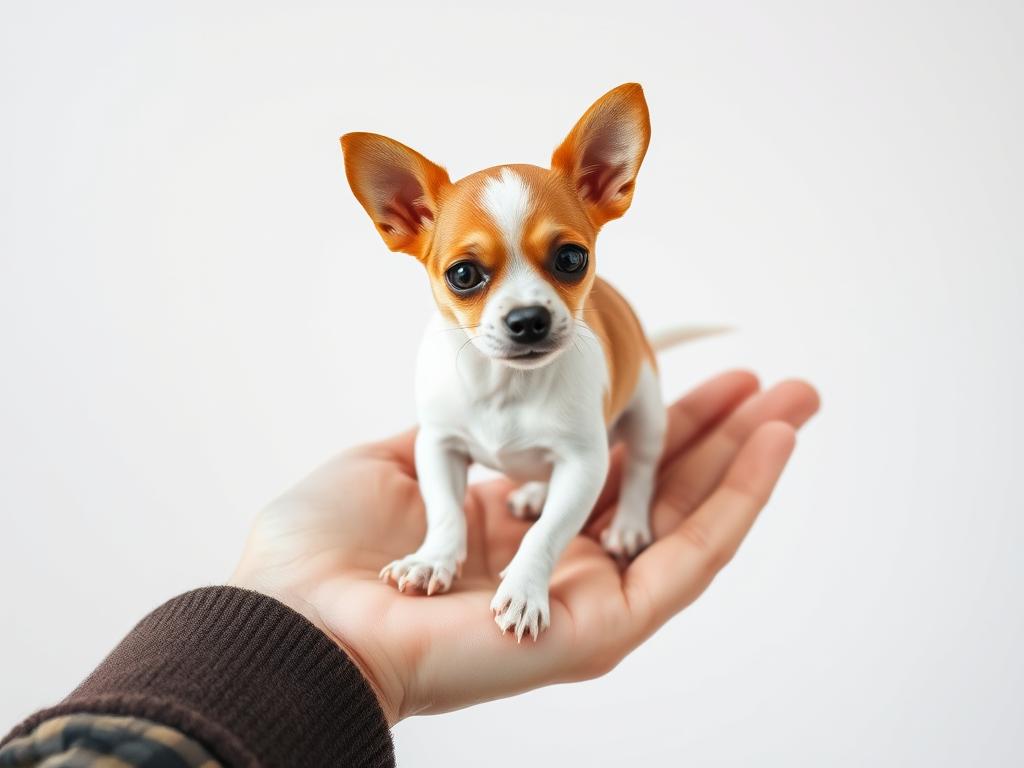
(104, 741)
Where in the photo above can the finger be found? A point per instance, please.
(691, 415)
(688, 418)
(675, 570)
(688, 480)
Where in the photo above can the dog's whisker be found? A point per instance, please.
(459, 352)
(584, 332)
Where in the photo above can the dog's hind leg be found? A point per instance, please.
(642, 429)
(526, 501)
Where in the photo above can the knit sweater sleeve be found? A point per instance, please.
(252, 681)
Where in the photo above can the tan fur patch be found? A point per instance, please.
(625, 344)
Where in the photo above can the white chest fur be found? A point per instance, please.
(518, 422)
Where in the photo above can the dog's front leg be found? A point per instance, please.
(521, 602)
(441, 468)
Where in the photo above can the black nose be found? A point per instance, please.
(528, 324)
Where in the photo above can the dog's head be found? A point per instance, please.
(509, 250)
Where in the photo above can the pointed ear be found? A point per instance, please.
(397, 186)
(602, 154)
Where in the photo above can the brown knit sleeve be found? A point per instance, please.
(248, 678)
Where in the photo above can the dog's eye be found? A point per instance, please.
(464, 276)
(570, 261)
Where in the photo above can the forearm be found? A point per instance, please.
(239, 674)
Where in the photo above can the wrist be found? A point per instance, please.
(389, 703)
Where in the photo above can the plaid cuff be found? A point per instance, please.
(117, 742)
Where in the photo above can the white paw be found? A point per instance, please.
(626, 540)
(431, 574)
(526, 501)
(521, 604)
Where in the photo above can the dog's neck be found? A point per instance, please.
(494, 381)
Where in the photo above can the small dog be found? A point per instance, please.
(533, 364)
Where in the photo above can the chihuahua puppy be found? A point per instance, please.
(532, 364)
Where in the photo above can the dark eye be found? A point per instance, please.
(464, 276)
(570, 261)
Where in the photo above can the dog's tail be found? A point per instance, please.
(671, 337)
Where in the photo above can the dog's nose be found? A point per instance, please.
(528, 324)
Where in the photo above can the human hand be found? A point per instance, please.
(319, 549)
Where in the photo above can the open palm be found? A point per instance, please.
(320, 547)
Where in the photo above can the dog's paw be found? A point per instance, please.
(431, 574)
(626, 541)
(521, 605)
(526, 501)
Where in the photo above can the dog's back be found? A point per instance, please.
(626, 348)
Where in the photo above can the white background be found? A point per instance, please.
(194, 312)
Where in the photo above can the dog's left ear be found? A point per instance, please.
(602, 154)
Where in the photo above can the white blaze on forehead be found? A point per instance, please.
(507, 199)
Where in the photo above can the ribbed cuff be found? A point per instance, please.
(248, 677)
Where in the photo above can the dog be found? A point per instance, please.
(533, 365)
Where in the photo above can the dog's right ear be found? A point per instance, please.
(397, 186)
